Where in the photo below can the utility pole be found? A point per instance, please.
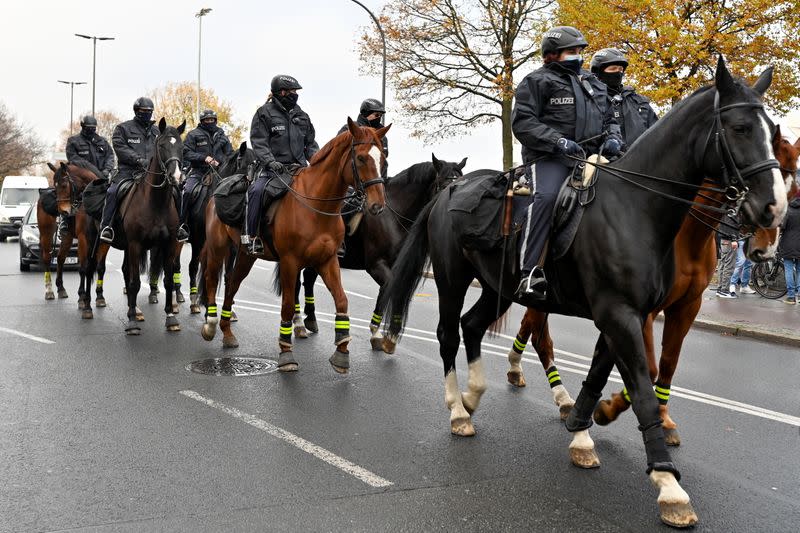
(94, 58)
(383, 40)
(72, 85)
(199, 15)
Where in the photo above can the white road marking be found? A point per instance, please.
(300, 443)
(576, 368)
(27, 336)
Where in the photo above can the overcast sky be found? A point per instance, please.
(245, 43)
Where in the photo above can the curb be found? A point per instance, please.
(725, 328)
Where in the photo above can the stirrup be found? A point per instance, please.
(256, 246)
(183, 233)
(105, 232)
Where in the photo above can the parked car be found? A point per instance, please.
(29, 252)
(17, 195)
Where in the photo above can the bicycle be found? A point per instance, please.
(768, 278)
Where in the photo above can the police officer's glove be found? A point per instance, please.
(141, 163)
(277, 167)
(612, 147)
(567, 146)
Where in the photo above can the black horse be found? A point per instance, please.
(376, 241)
(619, 265)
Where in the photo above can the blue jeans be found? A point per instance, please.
(792, 272)
(741, 272)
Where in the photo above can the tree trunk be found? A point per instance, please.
(508, 144)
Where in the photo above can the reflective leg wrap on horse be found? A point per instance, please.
(342, 327)
(655, 447)
(662, 393)
(226, 314)
(285, 338)
(580, 417)
(519, 345)
(553, 377)
(376, 321)
(211, 311)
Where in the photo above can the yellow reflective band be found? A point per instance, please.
(376, 317)
(662, 390)
(286, 331)
(212, 309)
(193, 290)
(226, 314)
(47, 277)
(342, 324)
(154, 280)
(309, 299)
(625, 395)
(554, 378)
(662, 396)
(99, 282)
(520, 346)
(296, 308)
(176, 277)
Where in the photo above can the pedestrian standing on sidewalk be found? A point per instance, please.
(741, 272)
(728, 246)
(789, 248)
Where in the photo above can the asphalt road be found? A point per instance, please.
(104, 432)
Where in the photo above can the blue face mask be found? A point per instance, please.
(572, 62)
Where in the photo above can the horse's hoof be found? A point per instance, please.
(671, 437)
(584, 457)
(133, 328)
(604, 413)
(311, 325)
(287, 362)
(340, 361)
(388, 345)
(376, 343)
(564, 410)
(175, 309)
(176, 327)
(194, 309)
(677, 514)
(234, 318)
(516, 378)
(208, 332)
(179, 297)
(230, 342)
(87, 314)
(49, 295)
(300, 330)
(172, 324)
(62, 293)
(100, 302)
(139, 315)
(462, 427)
(152, 299)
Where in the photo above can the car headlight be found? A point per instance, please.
(5, 220)
(28, 237)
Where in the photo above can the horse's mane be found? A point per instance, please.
(330, 147)
(88, 166)
(416, 174)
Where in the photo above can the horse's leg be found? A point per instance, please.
(229, 262)
(46, 250)
(514, 374)
(609, 410)
(624, 333)
(176, 276)
(168, 262)
(244, 263)
(84, 258)
(381, 272)
(474, 324)
(63, 251)
(289, 276)
(194, 263)
(332, 276)
(309, 279)
(300, 331)
(134, 283)
(212, 260)
(452, 291)
(100, 300)
(153, 279)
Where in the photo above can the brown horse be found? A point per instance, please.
(48, 226)
(305, 232)
(695, 262)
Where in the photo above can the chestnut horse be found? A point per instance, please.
(695, 263)
(306, 231)
(48, 226)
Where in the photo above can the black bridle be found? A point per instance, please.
(74, 198)
(358, 185)
(168, 179)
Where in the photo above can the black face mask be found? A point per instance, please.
(210, 126)
(88, 131)
(288, 101)
(572, 64)
(612, 79)
(144, 117)
(377, 123)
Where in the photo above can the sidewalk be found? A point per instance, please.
(750, 315)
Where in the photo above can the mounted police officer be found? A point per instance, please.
(370, 115)
(134, 143)
(632, 111)
(204, 148)
(560, 110)
(89, 147)
(282, 137)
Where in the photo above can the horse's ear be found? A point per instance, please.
(437, 165)
(63, 166)
(763, 82)
(50, 165)
(381, 132)
(162, 125)
(243, 148)
(181, 128)
(352, 127)
(723, 79)
(462, 164)
(778, 137)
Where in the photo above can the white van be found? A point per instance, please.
(17, 195)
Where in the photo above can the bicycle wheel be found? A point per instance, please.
(769, 280)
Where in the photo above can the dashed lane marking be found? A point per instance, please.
(27, 336)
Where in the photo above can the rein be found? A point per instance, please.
(163, 166)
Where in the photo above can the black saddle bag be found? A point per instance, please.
(48, 200)
(476, 206)
(94, 197)
(229, 198)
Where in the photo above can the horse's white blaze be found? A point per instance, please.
(778, 184)
(582, 440)
(375, 154)
(669, 489)
(176, 174)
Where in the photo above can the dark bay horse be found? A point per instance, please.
(48, 226)
(306, 231)
(619, 266)
(148, 220)
(695, 262)
(376, 241)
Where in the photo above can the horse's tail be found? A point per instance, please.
(276, 279)
(407, 272)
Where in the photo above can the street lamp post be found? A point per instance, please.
(94, 57)
(72, 85)
(199, 15)
(383, 41)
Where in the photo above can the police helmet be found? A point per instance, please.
(561, 37)
(88, 120)
(371, 105)
(608, 56)
(283, 82)
(143, 103)
(208, 113)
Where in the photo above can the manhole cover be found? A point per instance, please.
(233, 366)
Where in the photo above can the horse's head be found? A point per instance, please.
(362, 169)
(66, 189)
(242, 161)
(740, 143)
(446, 172)
(169, 150)
(764, 241)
